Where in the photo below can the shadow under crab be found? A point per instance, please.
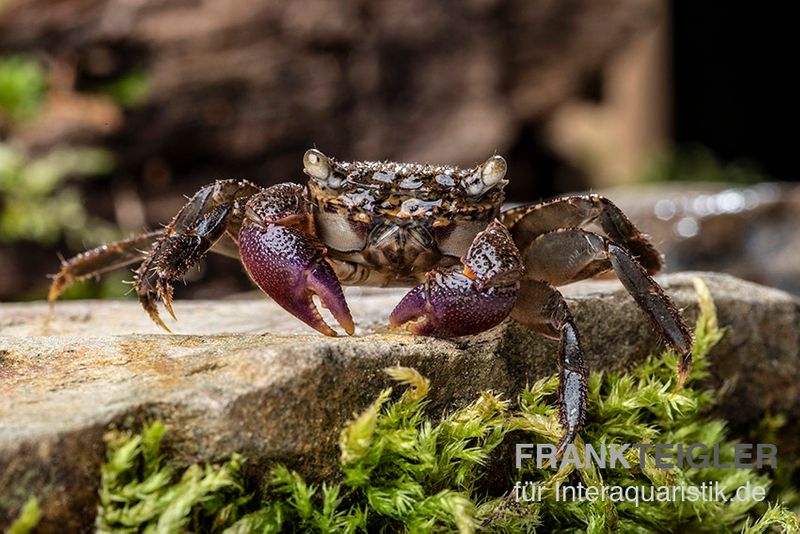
(438, 229)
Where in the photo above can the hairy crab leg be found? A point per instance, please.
(287, 261)
(526, 223)
(590, 254)
(542, 308)
(212, 211)
(100, 260)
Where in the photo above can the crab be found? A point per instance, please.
(437, 229)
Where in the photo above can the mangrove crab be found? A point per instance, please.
(438, 229)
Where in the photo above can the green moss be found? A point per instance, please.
(40, 194)
(28, 518)
(401, 469)
(39, 202)
(129, 90)
(22, 87)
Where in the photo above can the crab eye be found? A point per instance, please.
(316, 164)
(493, 171)
(486, 177)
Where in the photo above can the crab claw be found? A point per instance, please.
(450, 304)
(466, 299)
(290, 266)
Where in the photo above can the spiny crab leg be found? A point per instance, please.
(287, 262)
(100, 260)
(658, 306)
(213, 210)
(543, 309)
(465, 299)
(527, 223)
(592, 254)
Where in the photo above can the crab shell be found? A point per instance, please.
(387, 223)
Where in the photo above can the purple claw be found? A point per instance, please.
(449, 304)
(290, 267)
(469, 299)
(493, 259)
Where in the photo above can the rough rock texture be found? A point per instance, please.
(222, 385)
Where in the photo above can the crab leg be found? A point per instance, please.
(468, 298)
(526, 223)
(542, 308)
(100, 260)
(213, 210)
(287, 261)
(591, 254)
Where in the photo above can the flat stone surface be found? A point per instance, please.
(222, 384)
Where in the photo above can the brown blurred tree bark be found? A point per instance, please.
(259, 81)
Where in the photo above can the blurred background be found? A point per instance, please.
(111, 111)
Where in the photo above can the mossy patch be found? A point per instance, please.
(29, 517)
(405, 469)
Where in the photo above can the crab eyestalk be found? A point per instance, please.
(486, 177)
(320, 169)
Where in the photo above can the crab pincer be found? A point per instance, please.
(469, 298)
(290, 266)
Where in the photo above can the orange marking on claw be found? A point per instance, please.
(469, 273)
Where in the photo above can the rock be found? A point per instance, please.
(222, 385)
(749, 232)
